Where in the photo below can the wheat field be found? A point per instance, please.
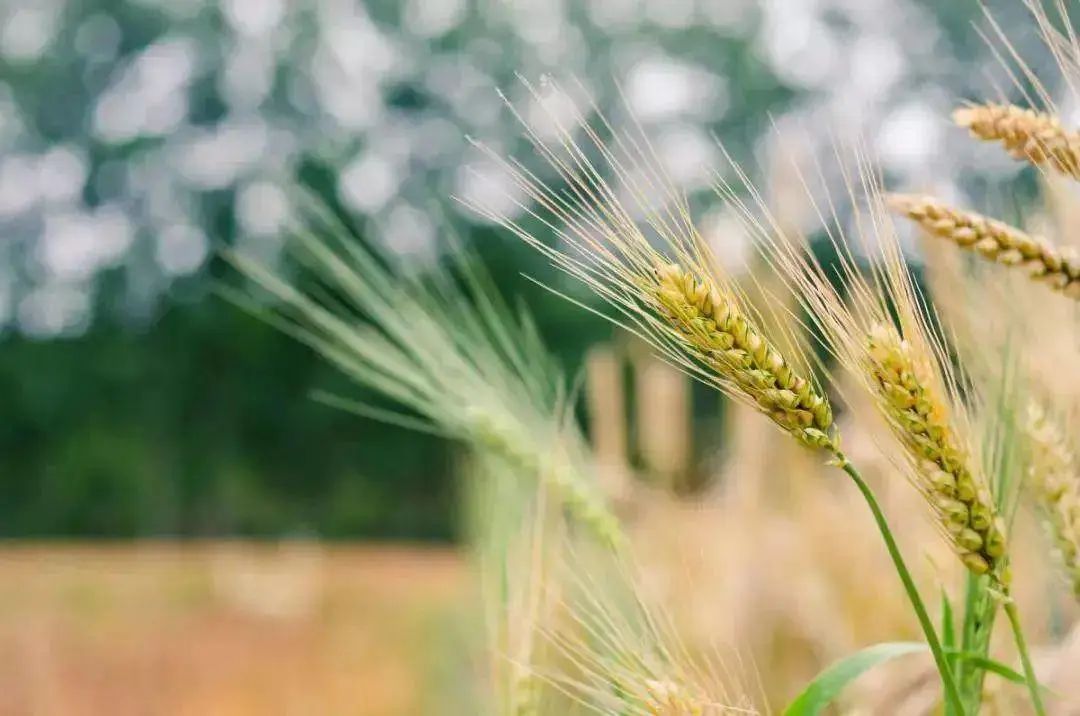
(222, 628)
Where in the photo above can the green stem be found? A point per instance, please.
(1025, 658)
(952, 693)
(980, 610)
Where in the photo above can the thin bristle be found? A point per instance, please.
(1054, 475)
(994, 240)
(920, 418)
(1027, 135)
(731, 345)
(624, 655)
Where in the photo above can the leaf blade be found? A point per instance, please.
(827, 685)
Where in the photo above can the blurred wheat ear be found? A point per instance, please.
(995, 240)
(1054, 480)
(442, 346)
(1027, 135)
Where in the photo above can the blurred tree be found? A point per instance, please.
(135, 135)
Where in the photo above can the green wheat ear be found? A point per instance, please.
(443, 347)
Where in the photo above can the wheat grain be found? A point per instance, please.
(1037, 137)
(920, 418)
(730, 344)
(1054, 475)
(995, 240)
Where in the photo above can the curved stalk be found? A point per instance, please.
(948, 682)
(1025, 658)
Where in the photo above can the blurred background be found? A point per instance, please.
(187, 531)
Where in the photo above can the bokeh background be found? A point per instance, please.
(138, 137)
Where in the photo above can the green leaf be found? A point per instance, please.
(948, 628)
(820, 692)
(948, 641)
(993, 666)
(987, 664)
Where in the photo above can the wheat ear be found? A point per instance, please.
(963, 506)
(1037, 137)
(1054, 479)
(995, 240)
(729, 343)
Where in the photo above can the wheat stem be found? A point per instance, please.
(994, 240)
(1036, 137)
(1025, 658)
(952, 693)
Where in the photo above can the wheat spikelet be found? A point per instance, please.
(995, 240)
(1037, 137)
(730, 345)
(1054, 476)
(920, 417)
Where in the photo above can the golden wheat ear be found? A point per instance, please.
(626, 232)
(1027, 135)
(963, 506)
(730, 344)
(1054, 482)
(994, 240)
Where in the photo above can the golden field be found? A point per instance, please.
(217, 629)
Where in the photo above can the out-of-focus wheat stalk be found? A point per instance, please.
(663, 419)
(1054, 478)
(512, 539)
(995, 240)
(1036, 137)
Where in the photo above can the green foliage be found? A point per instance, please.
(201, 425)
